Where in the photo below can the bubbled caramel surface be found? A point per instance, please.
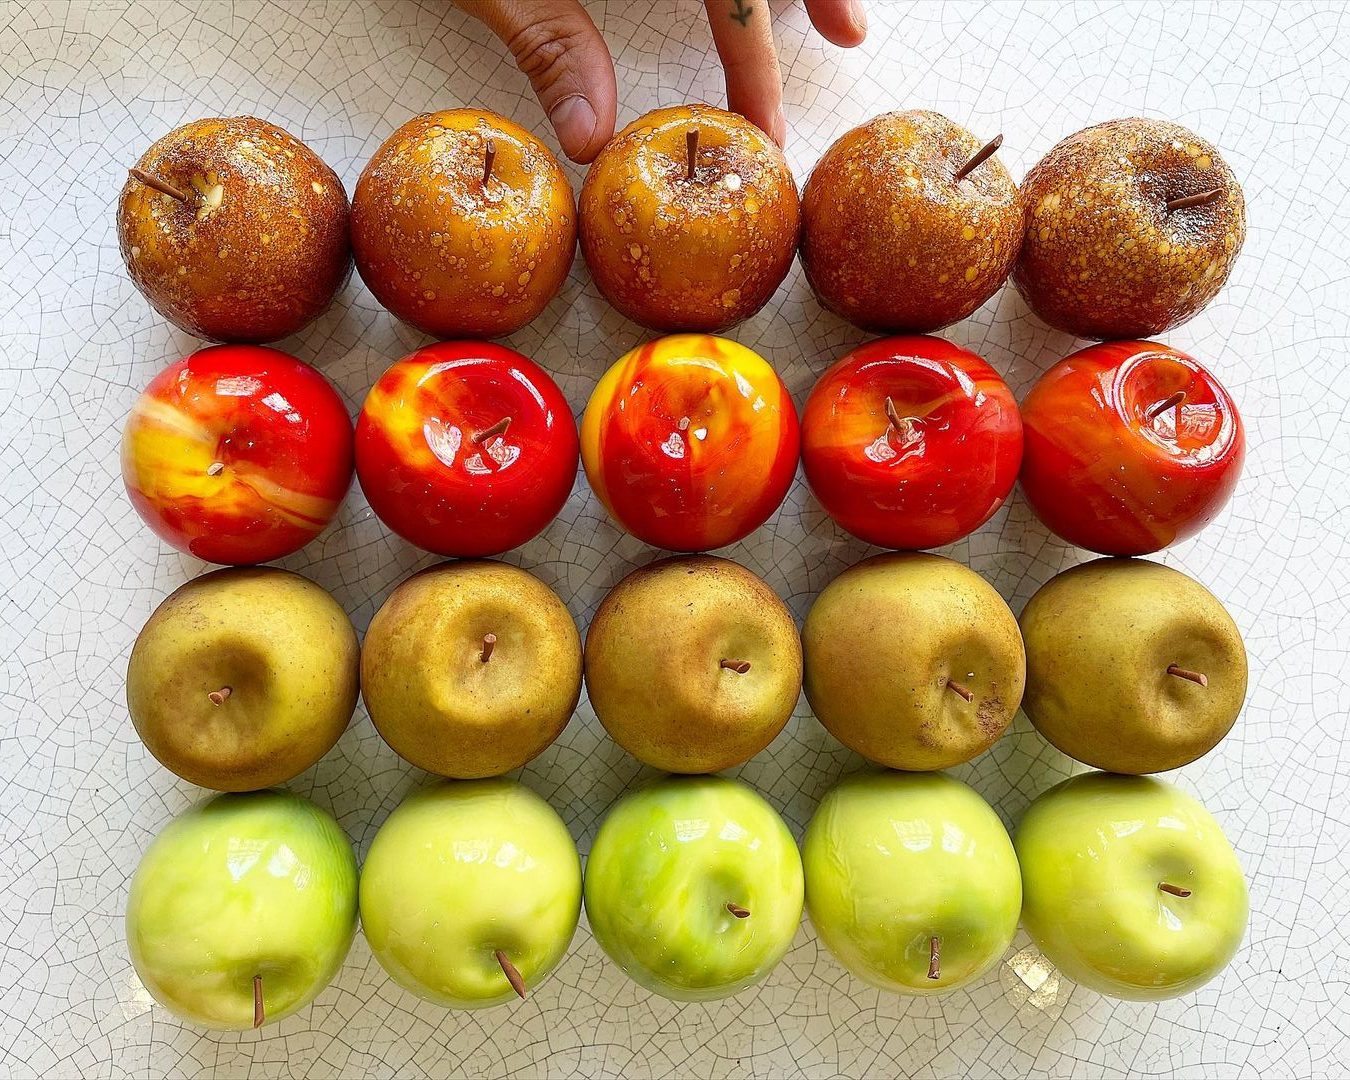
(891, 241)
(1103, 256)
(258, 249)
(700, 254)
(453, 254)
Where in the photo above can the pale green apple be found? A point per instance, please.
(468, 886)
(243, 909)
(694, 887)
(911, 881)
(1131, 888)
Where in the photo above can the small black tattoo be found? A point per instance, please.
(741, 12)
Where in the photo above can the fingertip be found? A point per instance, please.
(578, 128)
(840, 22)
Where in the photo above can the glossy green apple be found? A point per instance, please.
(471, 892)
(694, 887)
(1131, 888)
(911, 881)
(244, 893)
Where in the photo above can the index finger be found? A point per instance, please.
(744, 38)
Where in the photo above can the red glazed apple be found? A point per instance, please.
(1130, 446)
(911, 442)
(238, 454)
(690, 442)
(466, 448)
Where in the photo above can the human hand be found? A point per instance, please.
(556, 44)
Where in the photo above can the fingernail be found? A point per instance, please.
(574, 121)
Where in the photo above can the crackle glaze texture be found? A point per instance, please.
(88, 87)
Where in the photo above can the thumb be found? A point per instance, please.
(555, 43)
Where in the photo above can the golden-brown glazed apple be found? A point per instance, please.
(892, 240)
(463, 224)
(1105, 256)
(700, 252)
(257, 247)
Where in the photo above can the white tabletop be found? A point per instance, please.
(87, 86)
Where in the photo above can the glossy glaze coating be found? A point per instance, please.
(690, 442)
(892, 241)
(934, 477)
(460, 870)
(1110, 464)
(427, 478)
(449, 252)
(1100, 640)
(668, 698)
(237, 454)
(884, 640)
(242, 885)
(1103, 256)
(282, 646)
(258, 249)
(668, 859)
(1093, 852)
(678, 253)
(895, 859)
(429, 692)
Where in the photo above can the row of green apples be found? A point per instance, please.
(244, 908)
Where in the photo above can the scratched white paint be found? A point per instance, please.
(84, 87)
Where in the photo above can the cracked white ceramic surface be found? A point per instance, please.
(86, 86)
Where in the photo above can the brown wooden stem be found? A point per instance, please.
(983, 154)
(738, 911)
(934, 957)
(740, 667)
(512, 975)
(960, 691)
(489, 643)
(258, 1014)
(691, 152)
(1197, 677)
(499, 428)
(217, 697)
(489, 152)
(1203, 198)
(1175, 890)
(1169, 402)
(162, 186)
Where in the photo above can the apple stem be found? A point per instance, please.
(1203, 198)
(218, 696)
(1175, 890)
(904, 426)
(1170, 402)
(489, 152)
(960, 691)
(215, 468)
(740, 667)
(162, 186)
(489, 643)
(738, 911)
(983, 154)
(1197, 677)
(691, 151)
(934, 957)
(511, 973)
(258, 1015)
(499, 428)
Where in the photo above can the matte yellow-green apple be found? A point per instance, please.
(1130, 886)
(243, 678)
(242, 909)
(694, 887)
(471, 892)
(911, 881)
(913, 661)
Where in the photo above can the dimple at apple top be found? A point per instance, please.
(82, 798)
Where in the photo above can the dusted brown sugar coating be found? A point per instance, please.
(1103, 256)
(892, 241)
(451, 251)
(700, 254)
(258, 248)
